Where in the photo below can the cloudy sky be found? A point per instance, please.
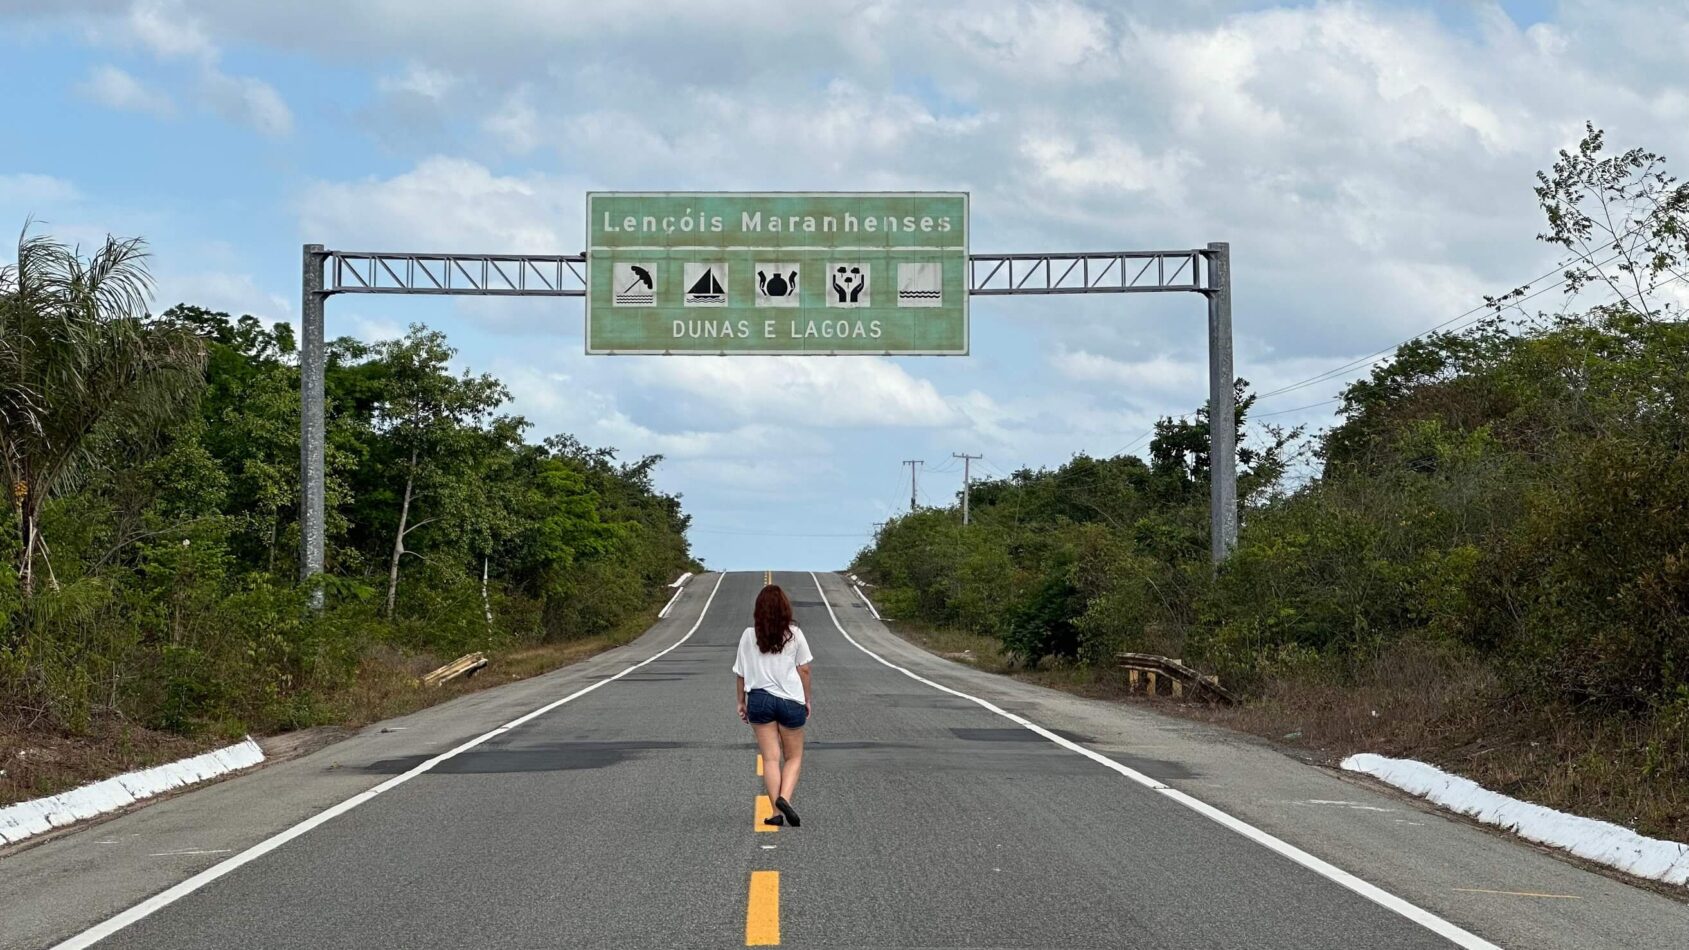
(1370, 163)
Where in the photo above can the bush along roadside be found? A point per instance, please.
(1487, 566)
(148, 602)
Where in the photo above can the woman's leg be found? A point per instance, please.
(791, 749)
(768, 743)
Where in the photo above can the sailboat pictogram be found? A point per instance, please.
(706, 288)
(706, 284)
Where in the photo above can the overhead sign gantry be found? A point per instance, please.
(772, 273)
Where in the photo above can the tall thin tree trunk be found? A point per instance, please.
(46, 560)
(26, 560)
(486, 604)
(399, 538)
(275, 525)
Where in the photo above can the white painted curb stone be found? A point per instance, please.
(865, 600)
(27, 819)
(1599, 841)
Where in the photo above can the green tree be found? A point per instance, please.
(433, 421)
(1621, 214)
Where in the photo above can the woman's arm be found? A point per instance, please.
(808, 694)
(739, 694)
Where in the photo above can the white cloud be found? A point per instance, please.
(817, 391)
(220, 290)
(419, 80)
(166, 29)
(1161, 372)
(173, 30)
(35, 191)
(729, 457)
(446, 204)
(1110, 163)
(116, 89)
(1049, 41)
(371, 330)
(515, 124)
(249, 101)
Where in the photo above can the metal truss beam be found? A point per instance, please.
(564, 275)
(1105, 272)
(478, 275)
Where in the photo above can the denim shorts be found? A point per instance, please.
(763, 706)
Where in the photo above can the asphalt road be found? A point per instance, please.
(626, 817)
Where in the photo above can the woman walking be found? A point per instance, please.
(773, 692)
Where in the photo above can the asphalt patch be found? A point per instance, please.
(545, 757)
(1015, 735)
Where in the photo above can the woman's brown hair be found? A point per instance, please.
(773, 619)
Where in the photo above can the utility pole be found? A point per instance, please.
(966, 480)
(912, 463)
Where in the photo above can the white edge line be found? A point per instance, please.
(1459, 936)
(682, 579)
(865, 600)
(666, 607)
(103, 930)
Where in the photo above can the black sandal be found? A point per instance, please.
(774, 820)
(787, 810)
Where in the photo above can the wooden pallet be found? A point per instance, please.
(1147, 670)
(462, 666)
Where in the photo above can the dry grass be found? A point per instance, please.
(1432, 703)
(392, 686)
(37, 761)
(388, 684)
(1439, 707)
(971, 648)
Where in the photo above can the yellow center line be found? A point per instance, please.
(762, 910)
(1483, 890)
(759, 763)
(765, 809)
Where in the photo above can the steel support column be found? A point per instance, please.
(1222, 408)
(312, 361)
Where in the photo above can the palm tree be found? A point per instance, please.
(80, 360)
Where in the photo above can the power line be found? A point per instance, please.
(1149, 432)
(1376, 357)
(1312, 405)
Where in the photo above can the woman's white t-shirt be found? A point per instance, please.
(775, 672)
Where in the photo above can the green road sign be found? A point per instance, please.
(777, 273)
